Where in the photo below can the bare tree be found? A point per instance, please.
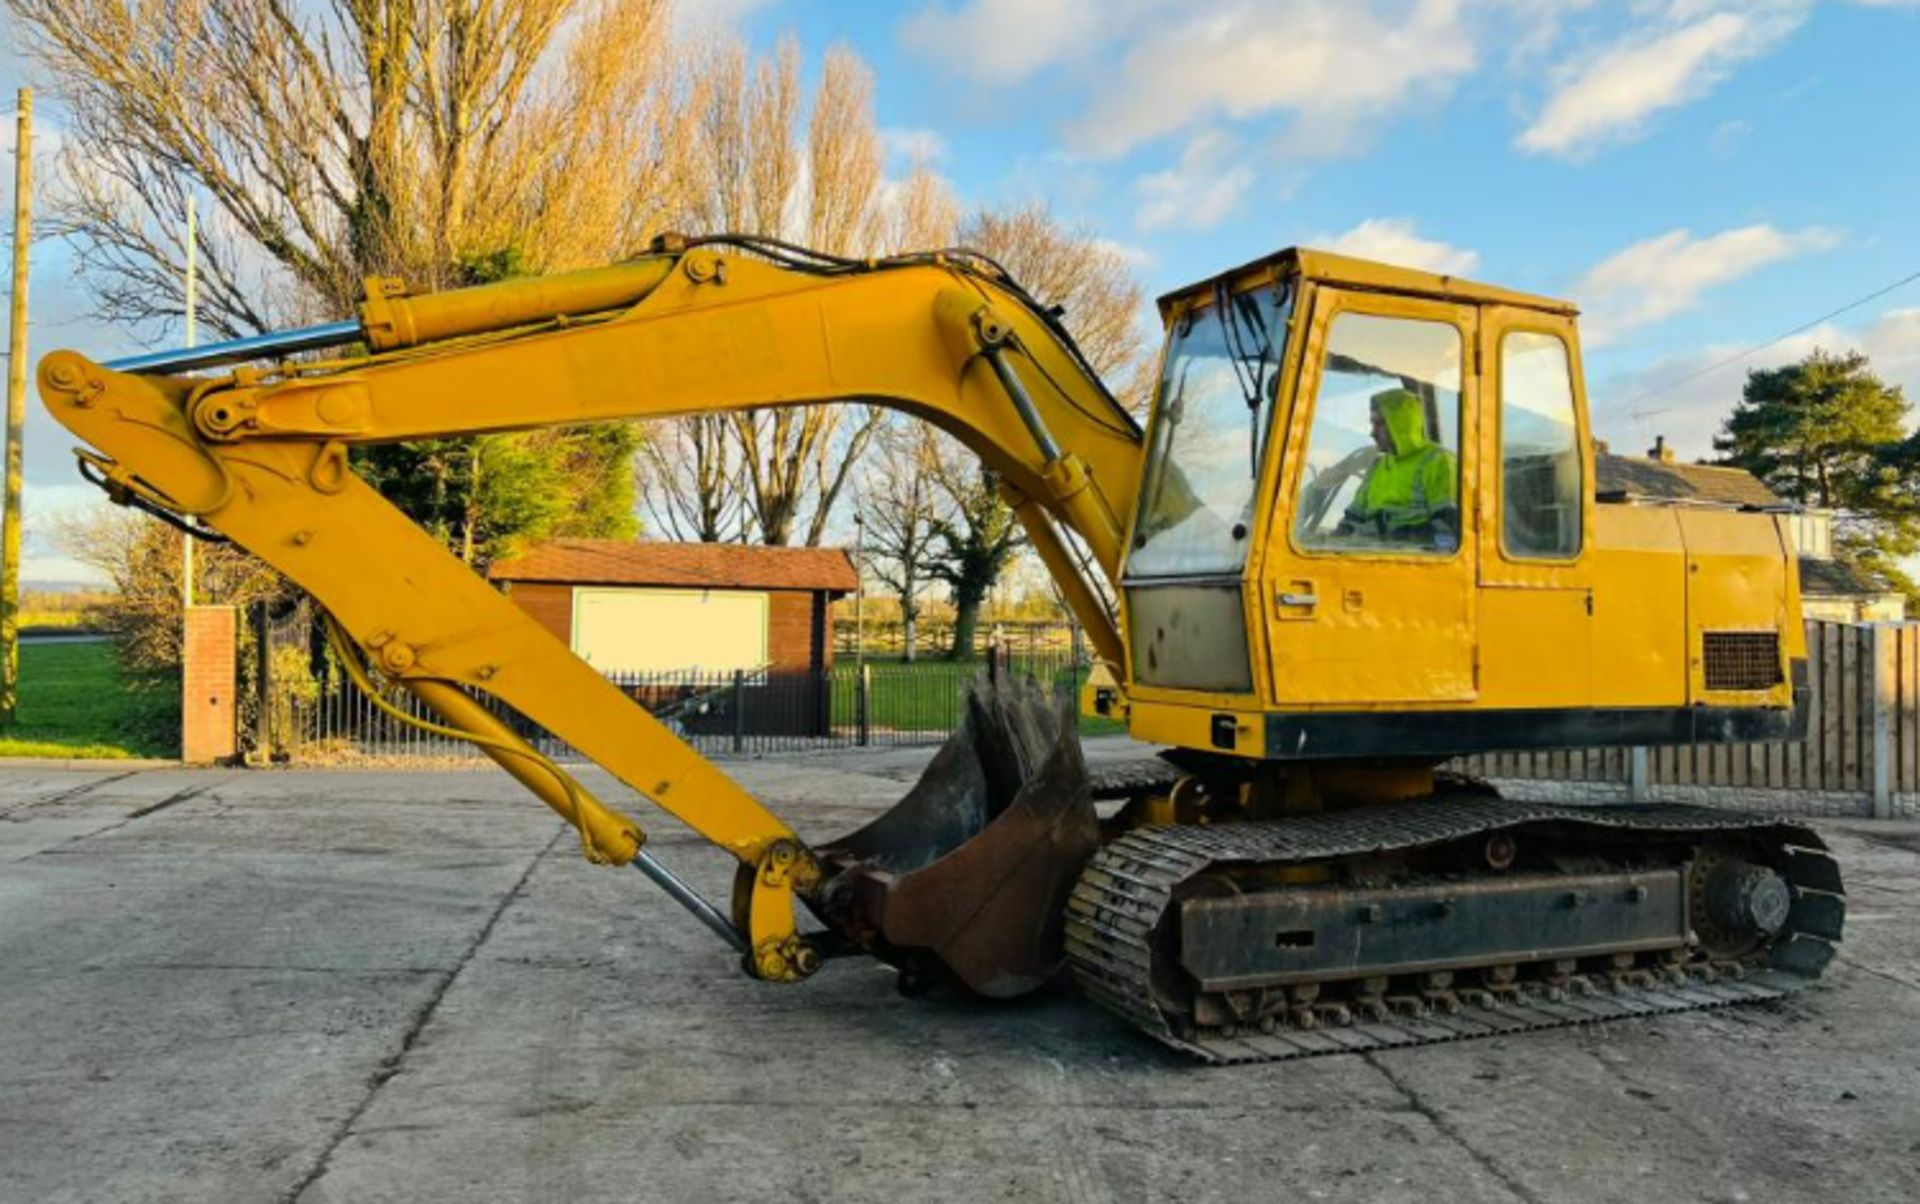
(773, 115)
(140, 557)
(337, 140)
(1089, 278)
(903, 505)
(447, 142)
(778, 167)
(689, 479)
(921, 213)
(843, 157)
(977, 533)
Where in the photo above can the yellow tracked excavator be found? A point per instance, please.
(1357, 537)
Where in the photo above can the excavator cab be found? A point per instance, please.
(1368, 502)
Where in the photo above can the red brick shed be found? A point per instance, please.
(645, 608)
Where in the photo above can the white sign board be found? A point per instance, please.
(637, 630)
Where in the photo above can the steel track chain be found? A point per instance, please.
(1128, 888)
(1137, 775)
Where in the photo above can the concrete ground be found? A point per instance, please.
(359, 986)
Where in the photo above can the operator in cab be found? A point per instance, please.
(1410, 494)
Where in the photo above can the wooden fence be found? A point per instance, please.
(1861, 754)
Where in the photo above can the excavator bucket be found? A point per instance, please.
(967, 877)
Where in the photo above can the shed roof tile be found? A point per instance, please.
(700, 565)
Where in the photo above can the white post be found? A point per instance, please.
(860, 594)
(1638, 790)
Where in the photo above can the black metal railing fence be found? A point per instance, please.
(315, 715)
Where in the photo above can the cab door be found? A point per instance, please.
(1358, 610)
(1536, 513)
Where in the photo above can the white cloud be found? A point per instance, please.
(1666, 275)
(705, 16)
(1727, 138)
(1394, 240)
(1331, 66)
(1137, 258)
(1201, 190)
(913, 145)
(1611, 96)
(1001, 41)
(1321, 74)
(1532, 29)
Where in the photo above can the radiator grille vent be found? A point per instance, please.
(1742, 660)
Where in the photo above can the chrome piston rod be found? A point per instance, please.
(690, 899)
(236, 351)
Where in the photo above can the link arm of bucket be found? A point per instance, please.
(600, 828)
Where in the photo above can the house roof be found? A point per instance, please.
(1634, 477)
(699, 565)
(1837, 578)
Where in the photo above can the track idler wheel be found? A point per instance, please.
(1742, 904)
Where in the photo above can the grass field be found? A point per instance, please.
(925, 695)
(73, 703)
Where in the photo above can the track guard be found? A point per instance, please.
(973, 868)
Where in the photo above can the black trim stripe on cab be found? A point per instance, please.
(1343, 735)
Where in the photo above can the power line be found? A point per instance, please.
(1758, 348)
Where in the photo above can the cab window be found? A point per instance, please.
(1540, 475)
(1383, 455)
(1208, 435)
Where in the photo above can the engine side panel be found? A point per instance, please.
(1639, 608)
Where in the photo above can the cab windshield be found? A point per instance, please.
(1210, 424)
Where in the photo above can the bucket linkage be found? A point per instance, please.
(966, 879)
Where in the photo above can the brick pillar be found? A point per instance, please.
(209, 710)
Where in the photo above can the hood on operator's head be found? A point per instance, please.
(1405, 419)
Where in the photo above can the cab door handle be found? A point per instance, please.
(1295, 602)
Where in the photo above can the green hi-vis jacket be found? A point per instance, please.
(1406, 487)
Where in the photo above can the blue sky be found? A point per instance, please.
(1700, 175)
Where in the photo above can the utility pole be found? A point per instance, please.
(193, 282)
(16, 414)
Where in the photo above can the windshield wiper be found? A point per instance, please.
(1248, 370)
(1236, 347)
